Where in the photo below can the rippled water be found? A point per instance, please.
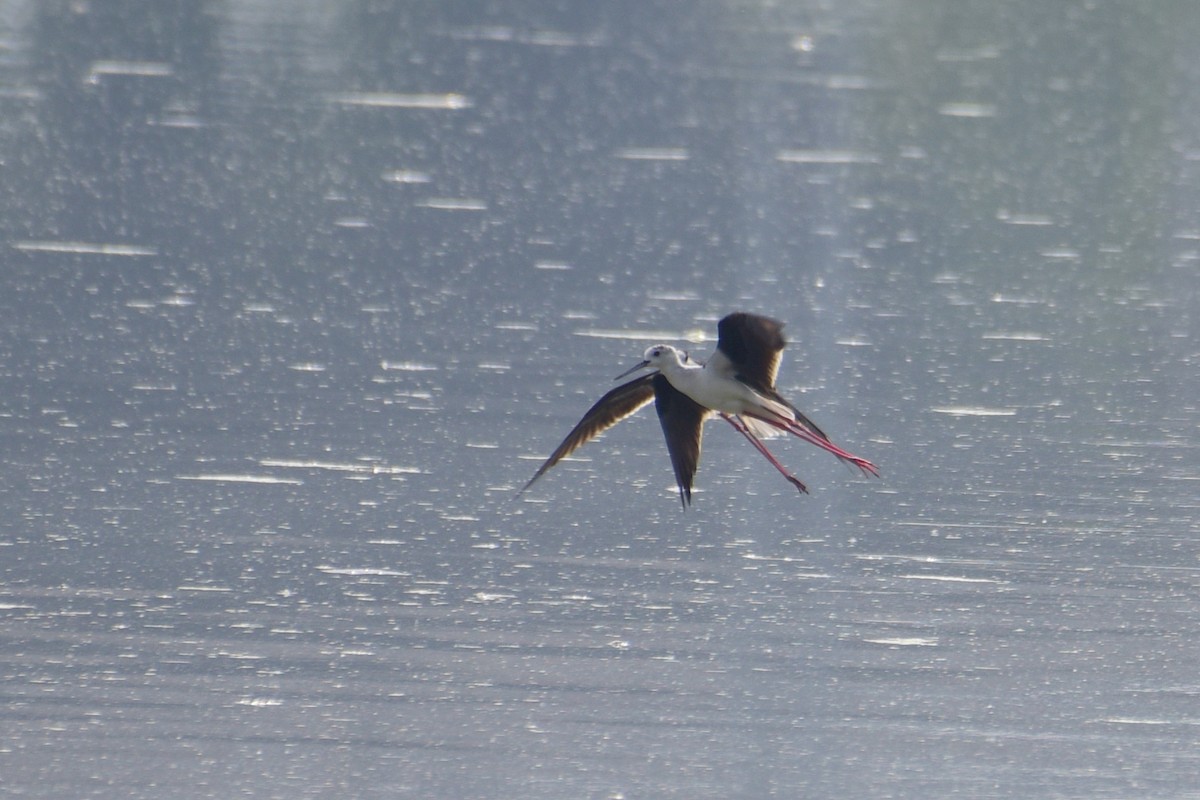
(297, 295)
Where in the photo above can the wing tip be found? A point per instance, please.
(685, 497)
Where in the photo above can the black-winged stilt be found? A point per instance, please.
(737, 383)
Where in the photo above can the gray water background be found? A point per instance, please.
(296, 294)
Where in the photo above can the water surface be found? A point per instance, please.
(296, 296)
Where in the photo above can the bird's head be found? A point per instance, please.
(657, 357)
(660, 354)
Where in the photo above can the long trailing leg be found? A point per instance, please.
(800, 431)
(741, 428)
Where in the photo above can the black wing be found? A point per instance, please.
(608, 411)
(682, 420)
(752, 344)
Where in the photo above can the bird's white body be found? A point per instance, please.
(715, 386)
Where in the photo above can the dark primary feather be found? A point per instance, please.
(606, 412)
(682, 420)
(753, 343)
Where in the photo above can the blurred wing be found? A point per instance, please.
(682, 420)
(608, 411)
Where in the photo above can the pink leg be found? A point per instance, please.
(797, 430)
(741, 428)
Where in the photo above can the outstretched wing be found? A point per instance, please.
(608, 411)
(682, 420)
(750, 346)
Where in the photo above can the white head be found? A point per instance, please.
(659, 357)
(658, 354)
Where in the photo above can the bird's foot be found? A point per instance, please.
(868, 469)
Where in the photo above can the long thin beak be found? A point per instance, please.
(632, 370)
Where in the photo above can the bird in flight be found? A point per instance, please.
(737, 383)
